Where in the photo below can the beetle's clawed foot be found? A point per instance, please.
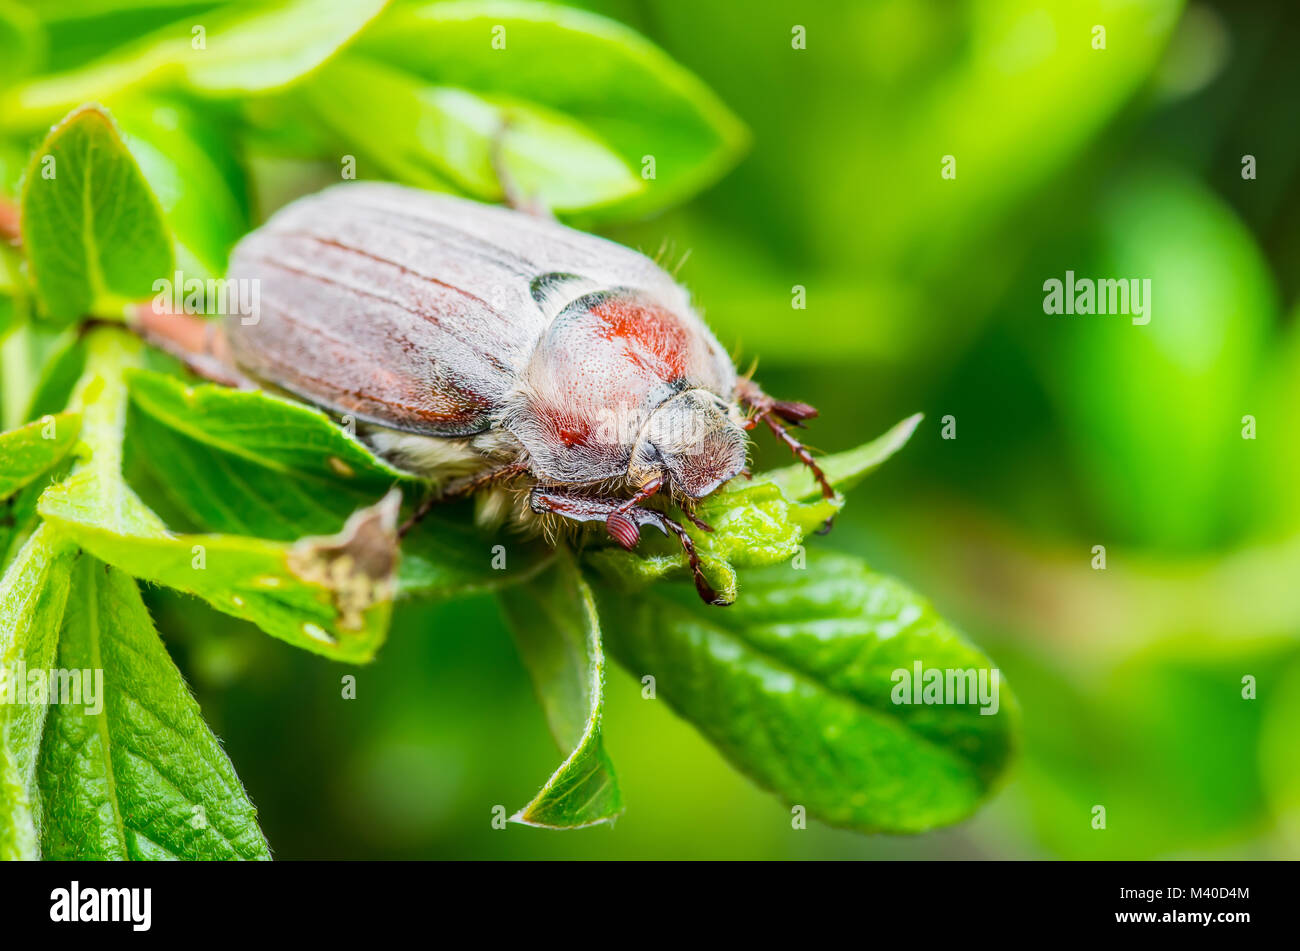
(624, 524)
(707, 594)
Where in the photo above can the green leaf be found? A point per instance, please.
(330, 594)
(600, 73)
(141, 777)
(253, 464)
(231, 492)
(294, 440)
(795, 684)
(33, 593)
(243, 49)
(93, 231)
(554, 621)
(844, 469)
(30, 450)
(18, 518)
(756, 523)
(436, 136)
(81, 31)
(58, 377)
(446, 555)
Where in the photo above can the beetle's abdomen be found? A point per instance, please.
(379, 312)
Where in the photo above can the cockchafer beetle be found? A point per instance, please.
(484, 348)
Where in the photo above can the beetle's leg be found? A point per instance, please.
(509, 187)
(460, 488)
(623, 525)
(622, 522)
(698, 522)
(706, 592)
(766, 409)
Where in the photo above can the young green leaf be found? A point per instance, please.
(33, 593)
(800, 684)
(753, 524)
(92, 230)
(556, 627)
(28, 451)
(132, 771)
(435, 136)
(594, 70)
(756, 523)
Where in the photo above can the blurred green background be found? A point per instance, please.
(923, 293)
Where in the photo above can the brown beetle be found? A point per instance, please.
(481, 346)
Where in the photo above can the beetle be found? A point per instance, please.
(483, 347)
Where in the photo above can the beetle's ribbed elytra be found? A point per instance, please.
(482, 347)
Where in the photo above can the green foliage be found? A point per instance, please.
(186, 160)
(246, 49)
(795, 685)
(554, 620)
(123, 470)
(28, 451)
(91, 228)
(627, 93)
(441, 136)
(33, 593)
(1178, 388)
(144, 778)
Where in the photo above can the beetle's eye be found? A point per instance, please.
(700, 446)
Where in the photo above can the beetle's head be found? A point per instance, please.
(691, 440)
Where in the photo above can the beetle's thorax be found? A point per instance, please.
(624, 385)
